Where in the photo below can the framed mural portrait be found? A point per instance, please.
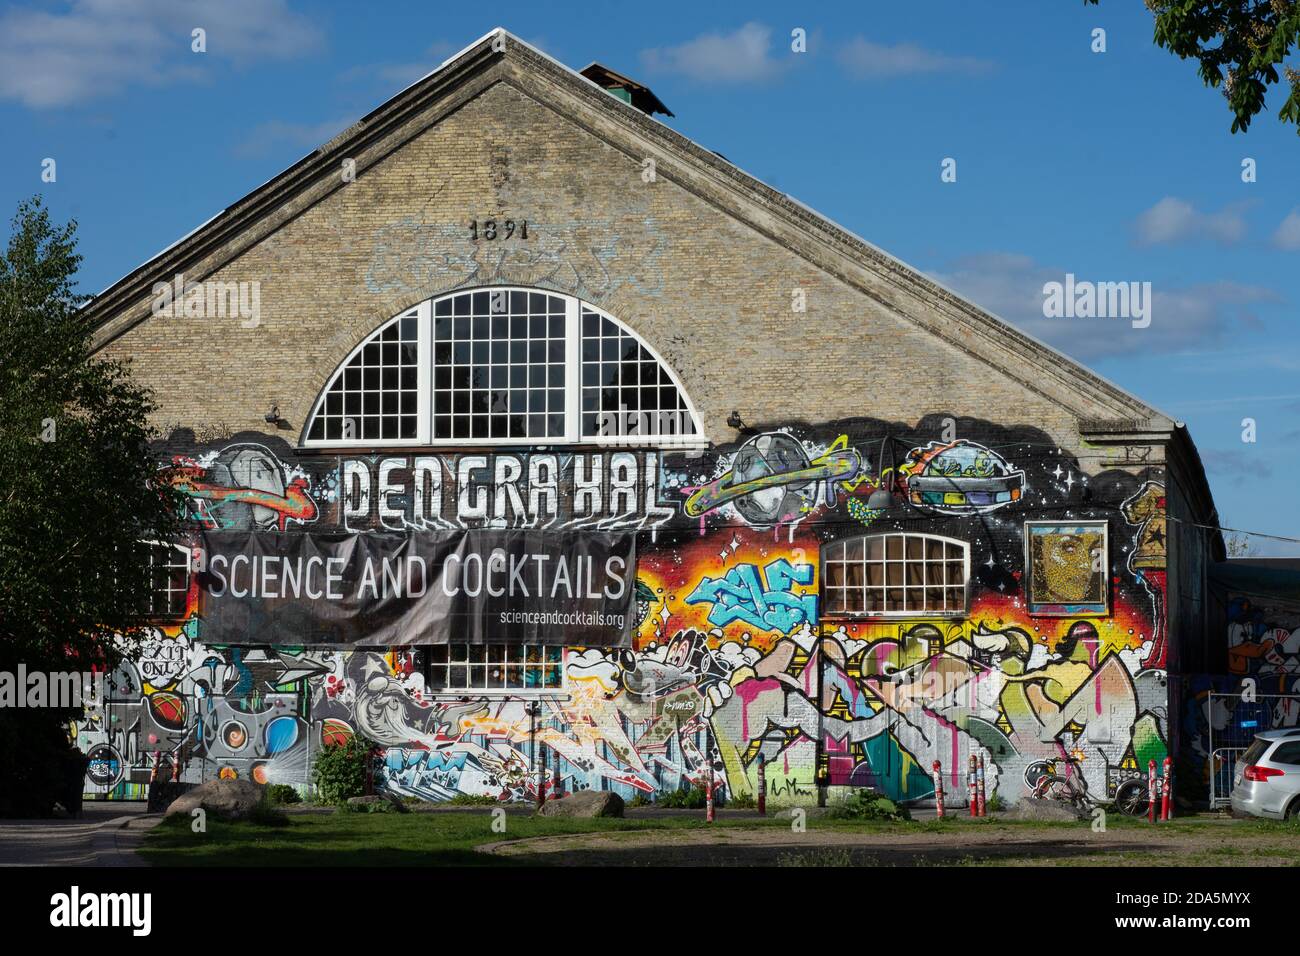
(1067, 565)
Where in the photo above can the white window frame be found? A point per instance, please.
(153, 546)
(884, 536)
(423, 313)
(528, 693)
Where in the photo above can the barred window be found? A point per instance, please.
(895, 574)
(169, 579)
(626, 391)
(450, 668)
(498, 366)
(375, 396)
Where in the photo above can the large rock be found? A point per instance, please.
(224, 799)
(584, 803)
(1032, 808)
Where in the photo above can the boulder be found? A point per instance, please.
(1032, 808)
(584, 803)
(224, 799)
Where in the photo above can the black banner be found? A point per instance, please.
(387, 590)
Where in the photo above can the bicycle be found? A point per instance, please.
(1070, 787)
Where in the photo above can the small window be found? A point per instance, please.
(895, 574)
(493, 668)
(169, 579)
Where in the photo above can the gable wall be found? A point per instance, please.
(744, 623)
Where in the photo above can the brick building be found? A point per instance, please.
(871, 525)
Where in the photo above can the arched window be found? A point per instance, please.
(895, 574)
(501, 366)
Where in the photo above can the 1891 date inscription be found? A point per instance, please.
(492, 229)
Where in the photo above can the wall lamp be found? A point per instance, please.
(273, 416)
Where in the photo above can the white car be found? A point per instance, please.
(1268, 776)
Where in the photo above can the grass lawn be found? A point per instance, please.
(379, 839)
(449, 838)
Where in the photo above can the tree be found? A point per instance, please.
(1239, 43)
(79, 491)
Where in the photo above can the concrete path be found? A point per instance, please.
(106, 834)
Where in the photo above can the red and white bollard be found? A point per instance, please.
(938, 788)
(1166, 790)
(1152, 792)
(970, 787)
(176, 768)
(762, 786)
(979, 788)
(708, 796)
(153, 771)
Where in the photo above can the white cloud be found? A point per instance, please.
(1176, 220)
(868, 60)
(96, 48)
(744, 56)
(1184, 317)
(265, 137)
(1287, 235)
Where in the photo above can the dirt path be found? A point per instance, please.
(1208, 846)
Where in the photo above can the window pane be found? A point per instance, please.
(611, 355)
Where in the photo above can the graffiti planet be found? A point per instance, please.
(335, 732)
(770, 478)
(168, 709)
(234, 734)
(104, 767)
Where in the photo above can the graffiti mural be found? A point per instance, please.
(934, 650)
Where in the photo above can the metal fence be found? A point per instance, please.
(1234, 721)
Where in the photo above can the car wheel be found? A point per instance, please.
(1293, 811)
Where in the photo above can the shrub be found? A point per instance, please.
(742, 801)
(995, 803)
(340, 770)
(640, 800)
(472, 800)
(692, 799)
(867, 805)
(279, 794)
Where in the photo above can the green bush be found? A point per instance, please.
(341, 770)
(867, 805)
(472, 800)
(995, 803)
(742, 801)
(376, 806)
(640, 800)
(692, 799)
(279, 794)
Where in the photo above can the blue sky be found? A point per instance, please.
(1114, 166)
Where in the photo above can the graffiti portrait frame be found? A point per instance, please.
(1041, 605)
